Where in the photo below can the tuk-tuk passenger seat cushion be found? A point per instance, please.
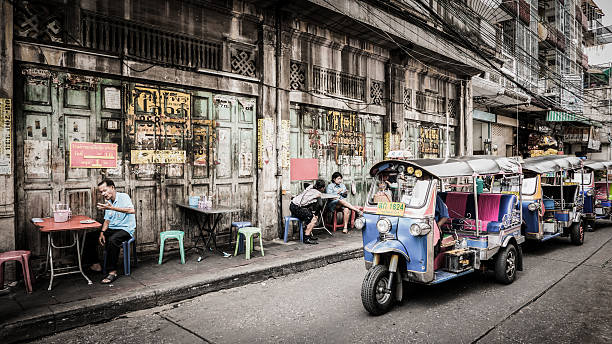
(600, 191)
(491, 211)
(455, 202)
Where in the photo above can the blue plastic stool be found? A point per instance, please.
(238, 225)
(288, 220)
(127, 270)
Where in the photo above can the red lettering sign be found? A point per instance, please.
(93, 155)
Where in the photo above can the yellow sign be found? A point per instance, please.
(157, 157)
(516, 193)
(390, 208)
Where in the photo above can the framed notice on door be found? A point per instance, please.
(93, 155)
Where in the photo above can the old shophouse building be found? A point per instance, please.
(216, 97)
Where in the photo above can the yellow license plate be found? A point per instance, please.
(390, 208)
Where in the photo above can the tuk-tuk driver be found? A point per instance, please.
(441, 217)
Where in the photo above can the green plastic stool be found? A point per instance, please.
(248, 233)
(171, 235)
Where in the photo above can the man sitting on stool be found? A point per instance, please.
(119, 225)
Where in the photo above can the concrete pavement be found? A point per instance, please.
(562, 296)
(72, 303)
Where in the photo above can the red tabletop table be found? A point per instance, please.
(74, 225)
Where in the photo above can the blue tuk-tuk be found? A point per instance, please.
(554, 201)
(401, 237)
(597, 202)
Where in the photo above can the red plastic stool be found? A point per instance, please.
(335, 225)
(24, 258)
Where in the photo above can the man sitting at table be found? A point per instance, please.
(119, 226)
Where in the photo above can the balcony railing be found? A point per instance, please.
(146, 43)
(328, 81)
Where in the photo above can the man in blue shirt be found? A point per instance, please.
(441, 212)
(119, 225)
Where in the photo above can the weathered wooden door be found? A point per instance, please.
(234, 166)
(57, 109)
(346, 142)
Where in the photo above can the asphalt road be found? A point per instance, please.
(564, 295)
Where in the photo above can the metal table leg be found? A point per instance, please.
(76, 236)
(50, 257)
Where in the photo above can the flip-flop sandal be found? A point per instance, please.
(111, 278)
(345, 231)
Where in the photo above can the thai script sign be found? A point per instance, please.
(157, 157)
(93, 155)
(6, 126)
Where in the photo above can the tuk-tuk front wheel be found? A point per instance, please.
(375, 296)
(505, 264)
(577, 233)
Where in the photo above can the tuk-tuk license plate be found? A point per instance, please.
(390, 208)
(599, 211)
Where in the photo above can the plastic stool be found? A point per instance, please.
(288, 220)
(248, 233)
(238, 225)
(127, 269)
(171, 235)
(24, 258)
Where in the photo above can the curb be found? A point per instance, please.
(65, 317)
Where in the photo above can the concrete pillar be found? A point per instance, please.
(468, 119)
(7, 182)
(267, 185)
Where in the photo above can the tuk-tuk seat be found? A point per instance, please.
(456, 203)
(554, 192)
(600, 191)
(492, 208)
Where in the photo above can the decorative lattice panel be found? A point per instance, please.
(407, 99)
(497, 130)
(39, 22)
(243, 62)
(297, 78)
(453, 108)
(376, 92)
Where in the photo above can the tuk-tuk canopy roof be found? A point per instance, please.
(598, 164)
(551, 163)
(465, 166)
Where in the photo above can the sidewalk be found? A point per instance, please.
(73, 303)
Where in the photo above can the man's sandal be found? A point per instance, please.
(110, 278)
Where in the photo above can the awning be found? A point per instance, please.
(560, 116)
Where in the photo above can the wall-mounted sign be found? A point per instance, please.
(6, 127)
(157, 157)
(93, 155)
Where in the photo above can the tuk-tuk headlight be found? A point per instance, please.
(533, 206)
(360, 223)
(383, 226)
(419, 228)
(589, 193)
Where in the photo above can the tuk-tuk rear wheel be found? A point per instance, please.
(577, 233)
(506, 264)
(376, 299)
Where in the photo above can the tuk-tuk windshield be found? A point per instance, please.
(584, 178)
(409, 190)
(529, 186)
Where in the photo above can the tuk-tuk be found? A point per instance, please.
(597, 200)
(401, 237)
(553, 200)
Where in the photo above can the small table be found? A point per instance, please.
(208, 221)
(74, 225)
(325, 197)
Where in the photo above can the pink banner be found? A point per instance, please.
(93, 155)
(304, 169)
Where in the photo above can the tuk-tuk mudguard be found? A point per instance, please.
(380, 247)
